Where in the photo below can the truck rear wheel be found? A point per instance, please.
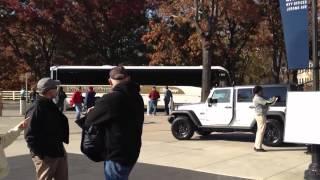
(182, 128)
(274, 133)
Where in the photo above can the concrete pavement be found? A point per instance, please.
(218, 156)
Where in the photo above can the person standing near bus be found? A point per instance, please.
(33, 95)
(121, 114)
(89, 100)
(60, 99)
(22, 94)
(45, 133)
(77, 100)
(167, 99)
(261, 106)
(153, 100)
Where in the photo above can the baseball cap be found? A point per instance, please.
(118, 73)
(46, 84)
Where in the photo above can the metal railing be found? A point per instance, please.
(10, 95)
(15, 95)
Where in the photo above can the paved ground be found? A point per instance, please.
(218, 156)
(80, 168)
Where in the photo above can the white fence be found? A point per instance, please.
(15, 95)
(10, 95)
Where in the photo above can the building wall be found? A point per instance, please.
(305, 75)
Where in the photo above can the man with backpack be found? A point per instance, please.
(121, 114)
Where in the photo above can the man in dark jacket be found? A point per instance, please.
(121, 112)
(89, 100)
(167, 99)
(46, 132)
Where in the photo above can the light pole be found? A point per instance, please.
(313, 172)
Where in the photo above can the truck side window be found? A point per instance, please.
(222, 95)
(280, 92)
(244, 95)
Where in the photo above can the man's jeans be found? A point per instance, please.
(153, 107)
(116, 171)
(78, 108)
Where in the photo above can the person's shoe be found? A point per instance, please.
(307, 151)
(259, 150)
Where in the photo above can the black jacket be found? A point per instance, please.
(48, 128)
(121, 112)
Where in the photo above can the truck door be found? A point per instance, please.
(244, 108)
(221, 111)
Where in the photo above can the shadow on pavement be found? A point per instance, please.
(80, 168)
(150, 122)
(285, 149)
(242, 137)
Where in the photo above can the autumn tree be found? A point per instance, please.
(172, 41)
(219, 30)
(106, 32)
(32, 32)
(237, 27)
(44, 33)
(272, 22)
(10, 70)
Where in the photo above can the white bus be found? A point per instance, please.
(183, 81)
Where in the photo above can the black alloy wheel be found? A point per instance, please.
(182, 128)
(273, 135)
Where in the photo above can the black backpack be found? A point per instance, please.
(93, 141)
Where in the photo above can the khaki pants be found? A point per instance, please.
(261, 127)
(51, 168)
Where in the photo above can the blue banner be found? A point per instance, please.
(294, 15)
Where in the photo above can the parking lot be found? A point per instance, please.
(217, 156)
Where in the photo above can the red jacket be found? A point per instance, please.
(76, 98)
(154, 95)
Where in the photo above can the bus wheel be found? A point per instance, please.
(203, 133)
(274, 133)
(182, 128)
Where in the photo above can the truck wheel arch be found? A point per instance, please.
(280, 116)
(188, 114)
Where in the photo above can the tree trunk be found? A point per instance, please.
(206, 71)
(295, 77)
(276, 66)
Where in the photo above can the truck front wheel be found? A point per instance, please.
(182, 128)
(274, 133)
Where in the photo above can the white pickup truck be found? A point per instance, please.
(229, 109)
